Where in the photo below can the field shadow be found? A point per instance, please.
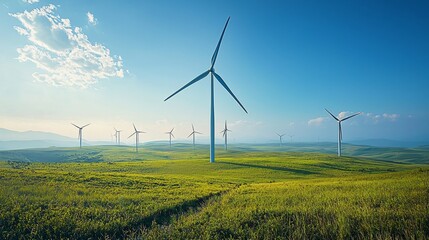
(284, 169)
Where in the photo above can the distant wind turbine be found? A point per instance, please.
(222, 82)
(80, 133)
(170, 133)
(281, 137)
(225, 135)
(136, 132)
(193, 135)
(291, 136)
(118, 136)
(340, 132)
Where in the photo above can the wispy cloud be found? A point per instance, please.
(316, 121)
(91, 19)
(344, 114)
(31, 1)
(63, 53)
(379, 117)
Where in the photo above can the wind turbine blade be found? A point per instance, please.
(135, 129)
(132, 134)
(193, 130)
(116, 130)
(278, 134)
(332, 115)
(227, 89)
(350, 116)
(203, 75)
(172, 135)
(198, 132)
(172, 130)
(74, 125)
(190, 134)
(218, 44)
(86, 125)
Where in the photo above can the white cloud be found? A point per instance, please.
(63, 53)
(21, 31)
(392, 117)
(91, 19)
(376, 118)
(316, 121)
(30, 1)
(344, 114)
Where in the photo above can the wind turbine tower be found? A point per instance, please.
(213, 75)
(170, 133)
(281, 137)
(340, 132)
(136, 132)
(225, 135)
(118, 136)
(193, 135)
(80, 133)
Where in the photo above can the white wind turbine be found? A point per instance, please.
(170, 133)
(136, 132)
(193, 135)
(225, 135)
(222, 82)
(340, 132)
(281, 137)
(118, 136)
(80, 133)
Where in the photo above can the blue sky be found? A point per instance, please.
(285, 61)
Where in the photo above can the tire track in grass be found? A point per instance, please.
(166, 216)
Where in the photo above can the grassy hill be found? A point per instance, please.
(250, 192)
(162, 151)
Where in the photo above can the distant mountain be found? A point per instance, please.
(9, 135)
(10, 140)
(388, 143)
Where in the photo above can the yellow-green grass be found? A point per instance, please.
(122, 193)
(379, 206)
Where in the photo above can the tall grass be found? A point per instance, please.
(180, 194)
(381, 206)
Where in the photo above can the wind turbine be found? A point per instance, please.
(193, 135)
(225, 135)
(340, 132)
(136, 132)
(281, 136)
(170, 133)
(118, 136)
(291, 136)
(222, 82)
(80, 133)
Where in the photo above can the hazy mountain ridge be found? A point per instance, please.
(10, 135)
(10, 140)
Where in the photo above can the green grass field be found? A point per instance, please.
(162, 193)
